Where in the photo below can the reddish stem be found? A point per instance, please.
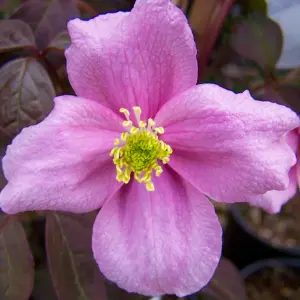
(212, 32)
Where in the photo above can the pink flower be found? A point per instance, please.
(272, 201)
(156, 233)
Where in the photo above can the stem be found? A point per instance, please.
(54, 49)
(212, 32)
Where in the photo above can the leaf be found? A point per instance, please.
(15, 34)
(8, 6)
(269, 94)
(109, 6)
(251, 6)
(69, 242)
(291, 95)
(259, 39)
(226, 284)
(287, 95)
(26, 95)
(43, 288)
(3, 181)
(46, 18)
(16, 262)
(61, 41)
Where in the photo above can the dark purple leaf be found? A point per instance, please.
(287, 95)
(271, 95)
(291, 95)
(16, 262)
(43, 287)
(61, 41)
(69, 248)
(226, 284)
(106, 6)
(15, 34)
(3, 181)
(46, 18)
(3, 3)
(26, 95)
(259, 39)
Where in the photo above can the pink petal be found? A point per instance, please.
(142, 58)
(162, 242)
(227, 145)
(62, 163)
(272, 201)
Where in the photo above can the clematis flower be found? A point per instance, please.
(145, 143)
(272, 201)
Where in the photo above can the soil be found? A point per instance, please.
(273, 284)
(280, 229)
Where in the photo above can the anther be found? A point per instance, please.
(125, 112)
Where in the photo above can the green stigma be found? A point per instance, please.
(139, 151)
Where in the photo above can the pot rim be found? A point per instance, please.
(270, 262)
(236, 214)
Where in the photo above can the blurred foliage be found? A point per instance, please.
(16, 262)
(253, 6)
(33, 37)
(69, 240)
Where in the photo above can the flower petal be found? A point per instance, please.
(162, 242)
(62, 163)
(272, 201)
(142, 58)
(227, 145)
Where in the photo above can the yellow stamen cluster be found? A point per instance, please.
(139, 149)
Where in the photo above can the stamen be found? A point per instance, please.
(137, 111)
(150, 186)
(125, 112)
(159, 130)
(139, 151)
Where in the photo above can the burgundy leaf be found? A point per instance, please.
(3, 181)
(226, 284)
(3, 3)
(26, 95)
(259, 39)
(271, 95)
(43, 287)
(68, 239)
(15, 34)
(46, 18)
(291, 95)
(109, 6)
(61, 41)
(16, 262)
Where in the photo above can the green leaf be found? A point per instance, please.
(26, 95)
(15, 34)
(16, 262)
(259, 39)
(69, 242)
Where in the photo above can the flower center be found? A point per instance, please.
(139, 150)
